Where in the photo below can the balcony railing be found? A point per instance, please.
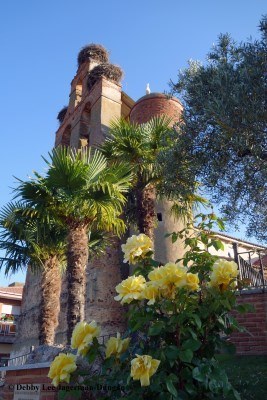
(253, 275)
(7, 328)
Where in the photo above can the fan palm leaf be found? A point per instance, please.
(139, 145)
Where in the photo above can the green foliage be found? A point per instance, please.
(138, 145)
(27, 238)
(183, 332)
(222, 141)
(80, 189)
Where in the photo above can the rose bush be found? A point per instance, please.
(178, 318)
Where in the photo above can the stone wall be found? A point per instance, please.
(28, 326)
(102, 275)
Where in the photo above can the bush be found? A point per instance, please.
(177, 320)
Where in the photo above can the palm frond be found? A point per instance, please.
(124, 141)
(25, 237)
(185, 208)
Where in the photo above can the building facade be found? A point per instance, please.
(10, 308)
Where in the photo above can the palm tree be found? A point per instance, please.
(80, 191)
(140, 145)
(28, 240)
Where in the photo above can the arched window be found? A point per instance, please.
(65, 140)
(85, 125)
(78, 92)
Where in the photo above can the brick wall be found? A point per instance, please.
(254, 342)
(155, 104)
(27, 376)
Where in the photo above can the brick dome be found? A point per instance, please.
(155, 104)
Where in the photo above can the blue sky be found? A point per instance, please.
(149, 39)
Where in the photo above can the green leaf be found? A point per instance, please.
(204, 238)
(220, 224)
(192, 333)
(217, 244)
(236, 394)
(214, 385)
(244, 308)
(198, 375)
(137, 325)
(156, 328)
(174, 237)
(172, 352)
(186, 355)
(174, 378)
(197, 320)
(171, 387)
(191, 344)
(190, 388)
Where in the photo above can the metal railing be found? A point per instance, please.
(7, 329)
(252, 275)
(19, 360)
(22, 359)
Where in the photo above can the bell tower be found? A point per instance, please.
(95, 99)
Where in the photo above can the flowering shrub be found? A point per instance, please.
(178, 315)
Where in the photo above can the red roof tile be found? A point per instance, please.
(12, 289)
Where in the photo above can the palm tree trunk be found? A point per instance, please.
(146, 198)
(77, 258)
(50, 300)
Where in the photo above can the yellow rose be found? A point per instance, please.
(142, 368)
(168, 278)
(116, 346)
(223, 272)
(61, 368)
(136, 248)
(174, 277)
(150, 292)
(169, 273)
(130, 289)
(174, 274)
(192, 281)
(157, 274)
(82, 336)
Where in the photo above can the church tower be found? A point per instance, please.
(96, 98)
